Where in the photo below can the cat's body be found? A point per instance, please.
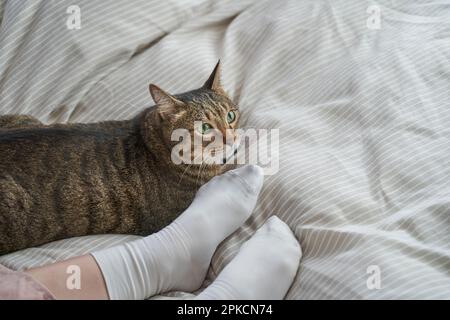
(68, 180)
(74, 180)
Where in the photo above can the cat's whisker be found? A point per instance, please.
(199, 172)
(204, 171)
(181, 178)
(189, 165)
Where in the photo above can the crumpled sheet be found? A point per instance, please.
(361, 102)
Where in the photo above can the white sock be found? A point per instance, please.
(178, 256)
(263, 269)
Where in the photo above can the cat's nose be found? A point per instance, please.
(230, 141)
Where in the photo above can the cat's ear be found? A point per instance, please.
(162, 97)
(213, 83)
(166, 104)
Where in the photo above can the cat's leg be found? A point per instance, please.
(263, 269)
(15, 121)
(177, 257)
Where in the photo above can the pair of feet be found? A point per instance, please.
(178, 257)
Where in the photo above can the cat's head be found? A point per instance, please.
(207, 114)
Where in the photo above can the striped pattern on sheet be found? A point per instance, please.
(363, 114)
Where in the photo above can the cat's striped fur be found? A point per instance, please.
(66, 180)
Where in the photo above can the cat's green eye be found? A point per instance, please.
(205, 128)
(231, 116)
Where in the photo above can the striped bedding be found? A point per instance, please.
(358, 90)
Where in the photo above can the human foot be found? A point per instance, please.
(178, 256)
(263, 269)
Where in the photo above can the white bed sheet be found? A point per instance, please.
(363, 114)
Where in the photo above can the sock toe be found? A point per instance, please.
(252, 176)
(263, 269)
(276, 227)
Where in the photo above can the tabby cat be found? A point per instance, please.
(65, 180)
